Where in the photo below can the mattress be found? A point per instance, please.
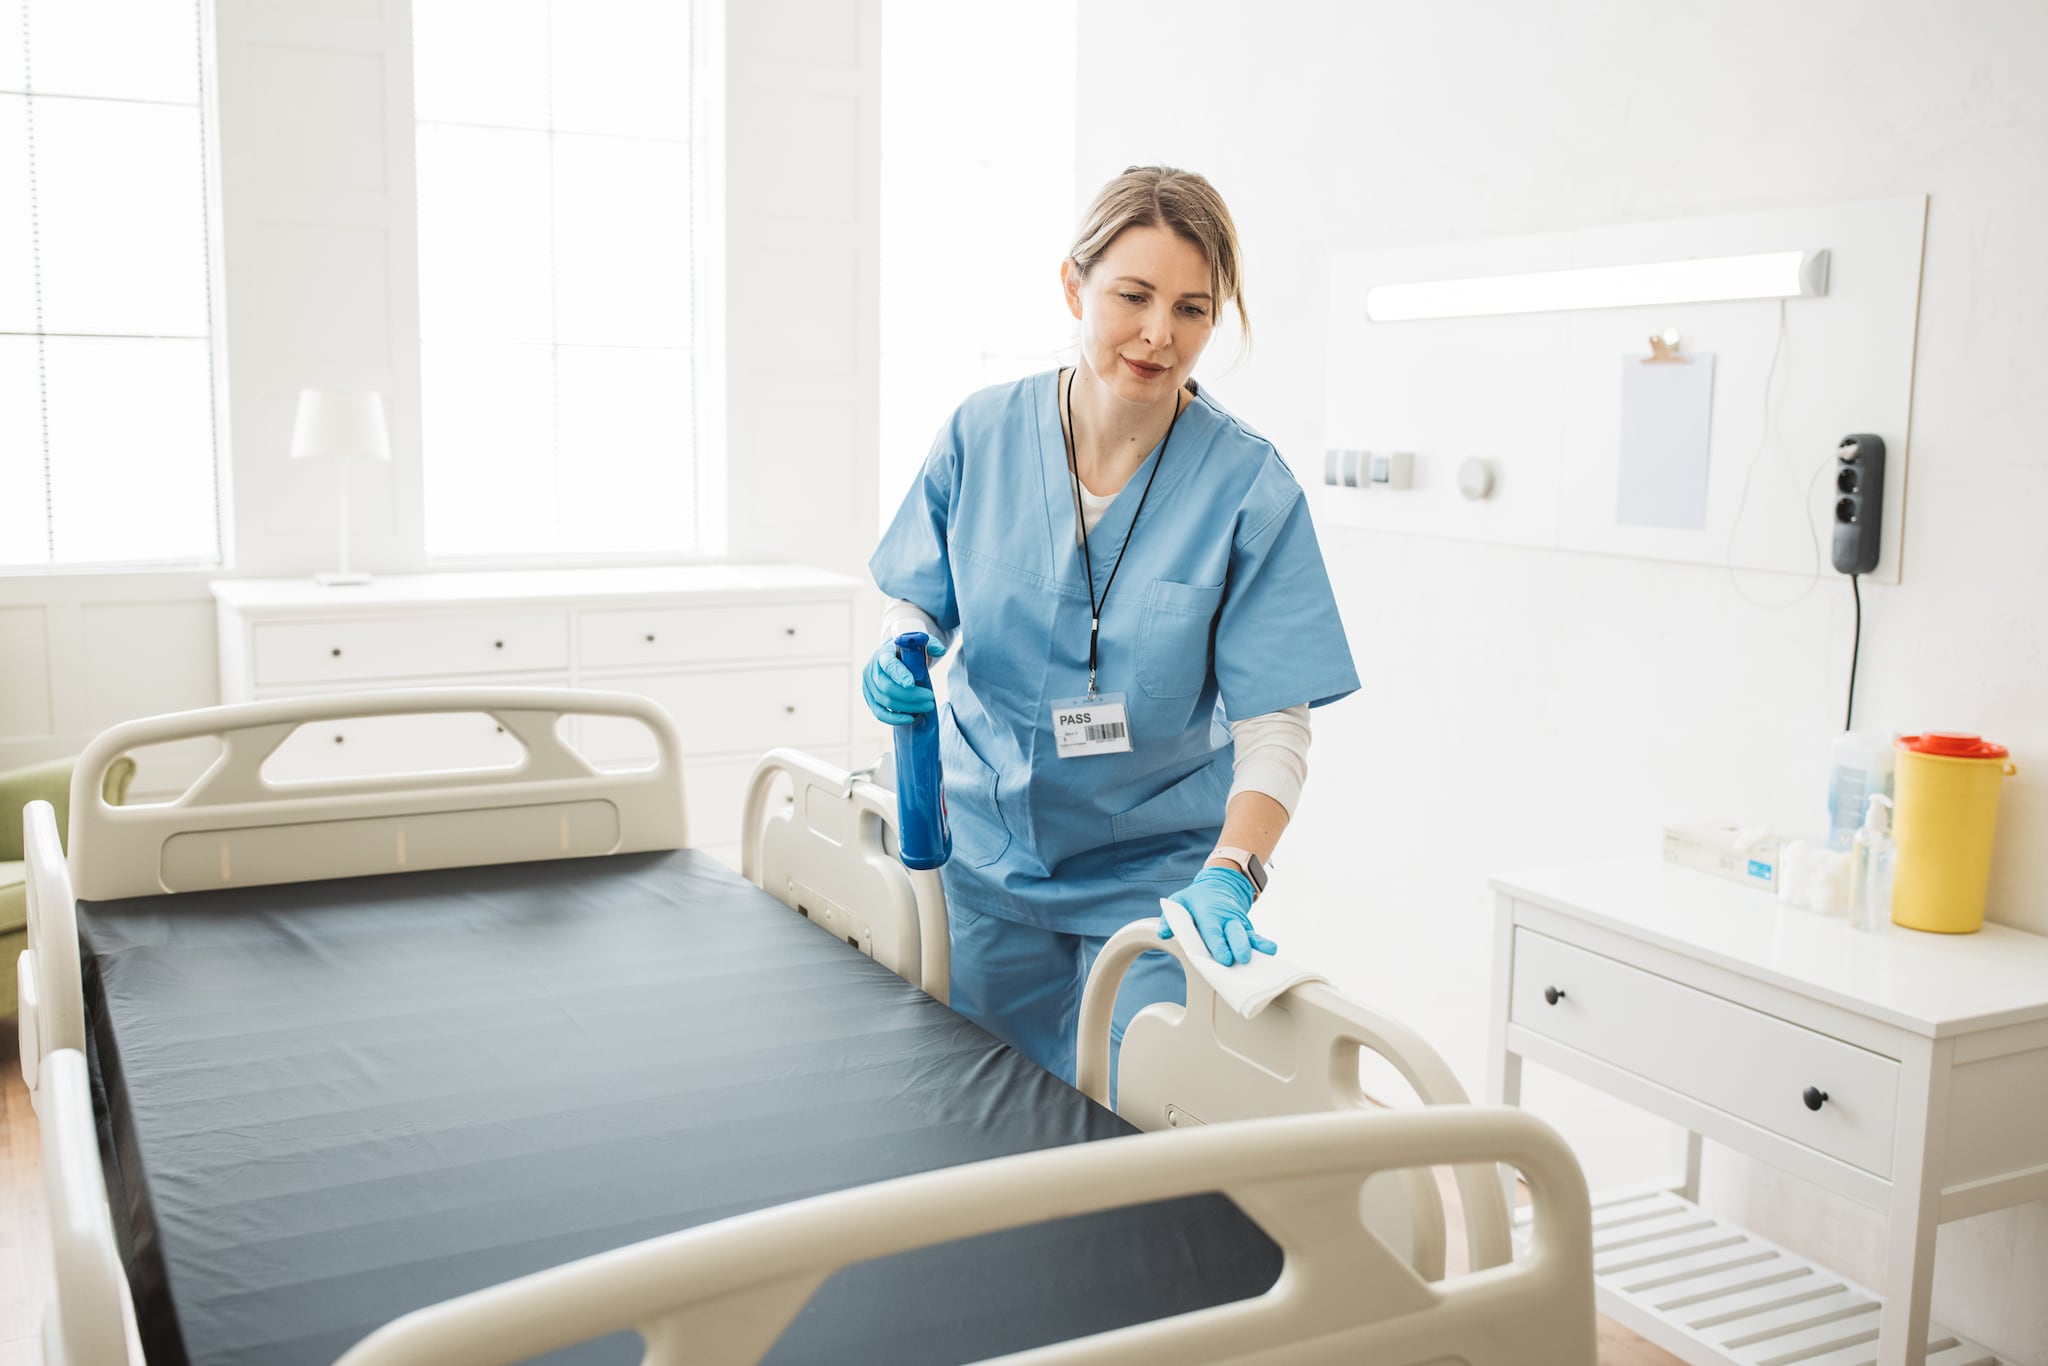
(325, 1104)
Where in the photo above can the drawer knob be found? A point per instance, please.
(790, 710)
(650, 637)
(1815, 1097)
(336, 652)
(1552, 995)
(497, 645)
(337, 739)
(789, 630)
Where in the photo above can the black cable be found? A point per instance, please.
(1849, 720)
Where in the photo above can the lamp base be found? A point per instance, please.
(346, 578)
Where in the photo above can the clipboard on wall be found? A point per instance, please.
(1667, 410)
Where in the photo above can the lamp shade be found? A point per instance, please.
(340, 424)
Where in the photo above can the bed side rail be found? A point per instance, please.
(1205, 1063)
(46, 974)
(233, 827)
(726, 1291)
(829, 851)
(90, 1321)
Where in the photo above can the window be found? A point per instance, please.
(977, 209)
(107, 450)
(556, 264)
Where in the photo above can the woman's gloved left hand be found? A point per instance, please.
(1220, 902)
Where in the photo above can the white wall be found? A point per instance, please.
(1524, 707)
(315, 264)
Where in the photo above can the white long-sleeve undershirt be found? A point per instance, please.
(1270, 752)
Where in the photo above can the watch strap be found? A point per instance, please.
(1254, 867)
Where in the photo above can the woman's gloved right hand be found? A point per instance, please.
(888, 689)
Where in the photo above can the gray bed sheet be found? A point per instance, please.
(326, 1104)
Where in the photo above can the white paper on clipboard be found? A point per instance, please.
(1667, 410)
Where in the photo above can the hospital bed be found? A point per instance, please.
(257, 1147)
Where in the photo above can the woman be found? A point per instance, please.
(1143, 622)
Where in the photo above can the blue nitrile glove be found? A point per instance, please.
(887, 687)
(1220, 900)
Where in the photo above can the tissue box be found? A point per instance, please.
(1747, 853)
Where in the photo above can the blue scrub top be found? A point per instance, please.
(1222, 610)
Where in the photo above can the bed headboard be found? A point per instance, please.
(234, 827)
(828, 850)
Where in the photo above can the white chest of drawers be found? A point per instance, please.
(744, 657)
(1906, 1071)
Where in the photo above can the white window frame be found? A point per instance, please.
(707, 333)
(177, 580)
(239, 408)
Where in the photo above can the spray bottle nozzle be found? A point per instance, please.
(1877, 813)
(910, 649)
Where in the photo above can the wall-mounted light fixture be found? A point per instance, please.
(1714, 279)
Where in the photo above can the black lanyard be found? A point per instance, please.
(1095, 605)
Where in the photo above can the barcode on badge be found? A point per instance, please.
(1113, 731)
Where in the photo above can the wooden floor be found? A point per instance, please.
(24, 1253)
(25, 1257)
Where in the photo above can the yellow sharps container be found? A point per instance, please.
(1946, 789)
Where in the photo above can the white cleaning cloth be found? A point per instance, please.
(1246, 988)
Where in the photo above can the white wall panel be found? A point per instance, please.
(144, 658)
(24, 672)
(814, 443)
(325, 121)
(815, 177)
(329, 296)
(803, 32)
(802, 286)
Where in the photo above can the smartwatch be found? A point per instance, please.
(1254, 867)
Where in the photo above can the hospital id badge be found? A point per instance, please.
(1092, 725)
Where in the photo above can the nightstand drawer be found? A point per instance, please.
(620, 638)
(1751, 1065)
(291, 653)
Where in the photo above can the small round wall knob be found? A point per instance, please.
(336, 652)
(789, 630)
(650, 637)
(1815, 1097)
(1475, 479)
(1552, 995)
(337, 739)
(790, 710)
(497, 645)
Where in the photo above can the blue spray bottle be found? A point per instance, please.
(926, 840)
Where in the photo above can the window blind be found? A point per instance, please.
(108, 454)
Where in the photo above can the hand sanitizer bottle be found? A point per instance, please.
(1870, 872)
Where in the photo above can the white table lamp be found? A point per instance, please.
(341, 425)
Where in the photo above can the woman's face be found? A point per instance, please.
(1145, 311)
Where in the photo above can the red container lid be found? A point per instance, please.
(1952, 745)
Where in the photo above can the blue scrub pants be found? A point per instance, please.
(1023, 985)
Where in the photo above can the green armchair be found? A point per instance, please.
(50, 782)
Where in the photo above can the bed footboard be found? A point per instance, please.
(828, 850)
(725, 1292)
(52, 1014)
(1204, 1064)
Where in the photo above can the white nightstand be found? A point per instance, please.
(744, 657)
(1906, 1071)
